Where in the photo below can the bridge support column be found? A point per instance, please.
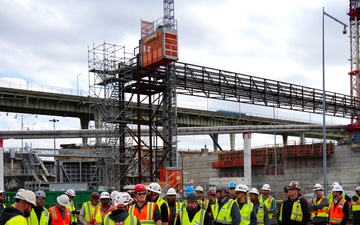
(285, 137)
(215, 138)
(98, 124)
(302, 138)
(247, 157)
(232, 142)
(84, 123)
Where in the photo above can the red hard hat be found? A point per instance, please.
(211, 192)
(139, 188)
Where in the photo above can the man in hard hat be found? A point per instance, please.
(153, 195)
(356, 206)
(339, 208)
(2, 200)
(193, 213)
(259, 207)
(345, 196)
(146, 212)
(101, 210)
(87, 209)
(247, 212)
(319, 206)
(225, 211)
(202, 201)
(189, 189)
(174, 206)
(24, 201)
(59, 214)
(74, 213)
(39, 214)
(120, 215)
(268, 200)
(294, 210)
(232, 186)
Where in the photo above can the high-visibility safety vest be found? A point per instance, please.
(224, 215)
(198, 219)
(89, 210)
(146, 216)
(96, 216)
(336, 212)
(130, 220)
(324, 212)
(56, 218)
(178, 208)
(296, 212)
(44, 218)
(356, 206)
(260, 214)
(245, 212)
(72, 208)
(160, 202)
(16, 220)
(268, 204)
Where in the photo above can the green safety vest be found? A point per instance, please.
(268, 204)
(44, 218)
(89, 210)
(260, 214)
(245, 212)
(224, 215)
(198, 219)
(72, 208)
(355, 206)
(130, 220)
(296, 213)
(17, 220)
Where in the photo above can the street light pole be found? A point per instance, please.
(54, 121)
(323, 94)
(77, 83)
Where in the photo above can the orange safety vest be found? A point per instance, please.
(320, 212)
(146, 216)
(96, 217)
(56, 218)
(336, 212)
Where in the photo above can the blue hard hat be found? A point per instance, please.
(189, 190)
(232, 184)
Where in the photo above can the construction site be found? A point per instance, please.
(133, 104)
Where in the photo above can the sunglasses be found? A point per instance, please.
(143, 193)
(104, 199)
(232, 188)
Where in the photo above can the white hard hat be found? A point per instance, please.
(171, 191)
(317, 187)
(113, 194)
(70, 192)
(105, 195)
(266, 187)
(335, 183)
(40, 193)
(241, 187)
(254, 191)
(337, 188)
(199, 188)
(357, 188)
(26, 195)
(154, 187)
(122, 199)
(2, 190)
(63, 200)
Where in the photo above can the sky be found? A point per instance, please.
(45, 43)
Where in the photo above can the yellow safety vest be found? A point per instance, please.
(245, 212)
(324, 212)
(355, 205)
(72, 208)
(161, 201)
(17, 220)
(44, 218)
(296, 213)
(198, 219)
(268, 204)
(130, 220)
(331, 197)
(260, 214)
(224, 215)
(89, 210)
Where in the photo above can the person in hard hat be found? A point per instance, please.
(18, 191)
(59, 214)
(268, 200)
(193, 213)
(101, 210)
(2, 200)
(319, 206)
(247, 212)
(202, 201)
(356, 206)
(232, 186)
(259, 207)
(24, 201)
(339, 210)
(189, 189)
(345, 196)
(39, 215)
(225, 210)
(121, 201)
(294, 210)
(153, 195)
(74, 213)
(174, 206)
(147, 212)
(87, 209)
(211, 198)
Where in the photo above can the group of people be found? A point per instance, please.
(227, 204)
